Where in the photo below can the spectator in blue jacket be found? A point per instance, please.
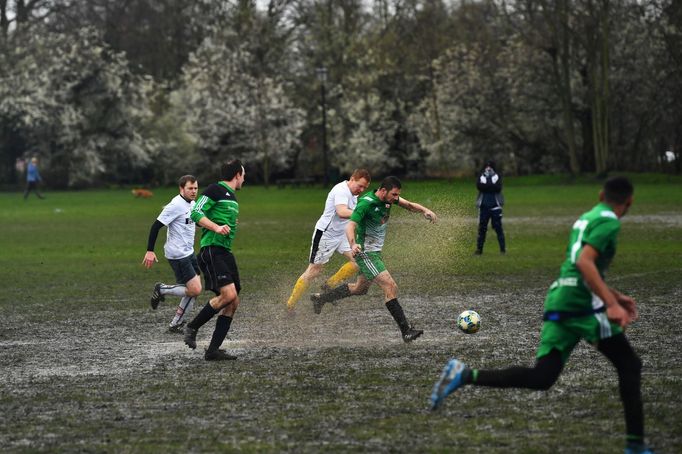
(489, 202)
(32, 179)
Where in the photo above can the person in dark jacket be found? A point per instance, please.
(489, 202)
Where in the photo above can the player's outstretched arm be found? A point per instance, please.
(586, 264)
(417, 208)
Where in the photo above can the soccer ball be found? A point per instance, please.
(469, 321)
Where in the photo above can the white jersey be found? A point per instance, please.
(180, 228)
(330, 222)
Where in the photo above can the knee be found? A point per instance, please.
(193, 291)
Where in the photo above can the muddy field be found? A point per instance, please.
(113, 380)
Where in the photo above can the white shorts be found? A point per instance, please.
(325, 244)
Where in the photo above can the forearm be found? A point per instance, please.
(153, 234)
(206, 223)
(595, 283)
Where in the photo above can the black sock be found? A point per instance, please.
(206, 313)
(222, 326)
(398, 315)
(342, 291)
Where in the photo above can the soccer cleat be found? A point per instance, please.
(218, 355)
(190, 337)
(316, 298)
(411, 334)
(633, 448)
(156, 296)
(177, 329)
(449, 381)
(478, 252)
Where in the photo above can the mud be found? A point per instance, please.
(115, 380)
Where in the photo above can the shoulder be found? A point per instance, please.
(216, 192)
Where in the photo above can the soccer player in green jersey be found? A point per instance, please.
(366, 232)
(217, 212)
(579, 305)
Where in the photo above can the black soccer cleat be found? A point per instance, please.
(218, 355)
(177, 329)
(316, 298)
(156, 296)
(190, 337)
(411, 334)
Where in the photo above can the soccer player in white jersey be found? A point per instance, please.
(179, 250)
(330, 236)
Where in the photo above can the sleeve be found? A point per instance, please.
(602, 233)
(341, 198)
(359, 212)
(153, 234)
(169, 213)
(204, 204)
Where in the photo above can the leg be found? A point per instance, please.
(618, 350)
(455, 374)
(496, 220)
(348, 270)
(390, 288)
(313, 270)
(483, 217)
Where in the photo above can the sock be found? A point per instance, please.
(175, 290)
(185, 307)
(222, 326)
(334, 294)
(299, 288)
(206, 313)
(398, 315)
(472, 377)
(348, 270)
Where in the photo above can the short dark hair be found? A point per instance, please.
(389, 183)
(185, 178)
(617, 190)
(230, 169)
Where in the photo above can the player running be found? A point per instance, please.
(179, 250)
(579, 305)
(366, 231)
(217, 211)
(330, 235)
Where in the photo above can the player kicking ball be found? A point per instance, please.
(366, 231)
(579, 305)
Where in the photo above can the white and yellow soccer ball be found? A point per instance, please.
(469, 321)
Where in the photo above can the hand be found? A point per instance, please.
(629, 305)
(355, 249)
(617, 314)
(431, 216)
(149, 259)
(222, 230)
(482, 179)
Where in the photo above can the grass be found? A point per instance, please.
(86, 365)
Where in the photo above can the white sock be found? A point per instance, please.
(184, 308)
(175, 290)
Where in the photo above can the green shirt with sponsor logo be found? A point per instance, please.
(599, 228)
(371, 215)
(219, 204)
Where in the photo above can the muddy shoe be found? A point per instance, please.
(411, 334)
(316, 298)
(218, 355)
(177, 329)
(190, 337)
(156, 296)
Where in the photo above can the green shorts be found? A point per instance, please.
(565, 335)
(370, 263)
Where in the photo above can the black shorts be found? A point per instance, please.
(219, 268)
(185, 269)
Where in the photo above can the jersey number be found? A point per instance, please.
(580, 225)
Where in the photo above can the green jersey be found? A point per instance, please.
(599, 228)
(219, 204)
(371, 215)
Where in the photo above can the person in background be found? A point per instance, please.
(489, 202)
(33, 178)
